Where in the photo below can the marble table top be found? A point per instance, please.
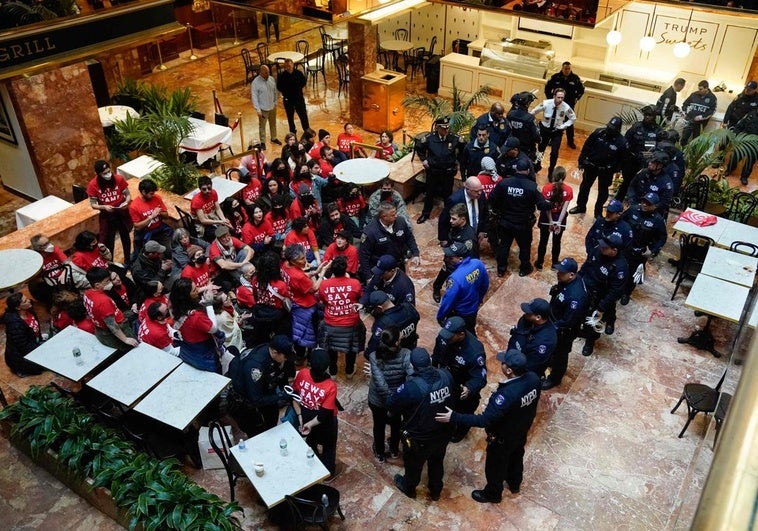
(224, 188)
(181, 397)
(136, 373)
(338, 34)
(733, 267)
(396, 46)
(717, 297)
(737, 232)
(41, 209)
(56, 353)
(139, 168)
(111, 113)
(282, 474)
(17, 266)
(711, 231)
(362, 171)
(295, 56)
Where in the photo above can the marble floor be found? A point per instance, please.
(603, 453)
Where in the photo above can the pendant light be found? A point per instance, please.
(647, 43)
(613, 37)
(682, 49)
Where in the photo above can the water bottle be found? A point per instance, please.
(77, 356)
(324, 500)
(310, 456)
(242, 446)
(283, 446)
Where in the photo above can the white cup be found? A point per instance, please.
(258, 467)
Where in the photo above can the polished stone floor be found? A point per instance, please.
(603, 453)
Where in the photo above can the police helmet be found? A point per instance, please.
(614, 124)
(522, 164)
(661, 157)
(522, 99)
(649, 110)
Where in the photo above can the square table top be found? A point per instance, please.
(56, 353)
(717, 297)
(282, 474)
(41, 209)
(181, 397)
(136, 373)
(711, 231)
(17, 266)
(734, 267)
(224, 188)
(139, 168)
(737, 232)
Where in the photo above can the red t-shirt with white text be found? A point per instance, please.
(315, 395)
(111, 196)
(99, 306)
(339, 295)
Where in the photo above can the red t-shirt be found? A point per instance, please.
(140, 210)
(488, 183)
(99, 306)
(52, 260)
(314, 395)
(113, 196)
(344, 142)
(315, 152)
(387, 151)
(142, 313)
(295, 185)
(308, 241)
(32, 322)
(122, 293)
(252, 192)
(252, 235)
(568, 195)
(350, 252)
(278, 225)
(300, 285)
(154, 334)
(207, 205)
(251, 164)
(352, 206)
(326, 167)
(197, 327)
(86, 260)
(86, 324)
(339, 296)
(265, 297)
(200, 275)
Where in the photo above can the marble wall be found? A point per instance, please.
(362, 61)
(58, 114)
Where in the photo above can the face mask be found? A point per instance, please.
(386, 195)
(307, 200)
(49, 248)
(201, 260)
(108, 286)
(353, 194)
(107, 176)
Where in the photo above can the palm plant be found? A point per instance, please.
(715, 147)
(14, 13)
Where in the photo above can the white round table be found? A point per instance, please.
(281, 56)
(362, 171)
(17, 266)
(111, 113)
(338, 34)
(396, 46)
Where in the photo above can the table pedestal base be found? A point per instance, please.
(702, 339)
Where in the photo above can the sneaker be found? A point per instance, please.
(554, 266)
(393, 452)
(609, 329)
(500, 273)
(434, 496)
(377, 455)
(588, 349)
(422, 218)
(571, 145)
(332, 375)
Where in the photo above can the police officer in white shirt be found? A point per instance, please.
(557, 116)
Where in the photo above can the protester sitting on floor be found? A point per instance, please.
(111, 327)
(180, 243)
(22, 334)
(196, 322)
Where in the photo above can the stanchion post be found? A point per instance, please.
(192, 48)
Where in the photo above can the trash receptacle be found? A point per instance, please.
(383, 93)
(433, 74)
(461, 46)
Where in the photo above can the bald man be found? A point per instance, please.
(495, 123)
(473, 198)
(263, 93)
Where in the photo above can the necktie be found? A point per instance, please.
(552, 118)
(474, 217)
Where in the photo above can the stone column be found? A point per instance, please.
(58, 115)
(362, 46)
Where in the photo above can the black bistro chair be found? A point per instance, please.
(700, 398)
(316, 65)
(251, 69)
(692, 251)
(741, 208)
(343, 74)
(307, 509)
(303, 47)
(744, 248)
(221, 443)
(187, 221)
(695, 194)
(263, 53)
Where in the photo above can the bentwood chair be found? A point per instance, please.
(316, 65)
(400, 34)
(303, 47)
(700, 398)
(251, 69)
(307, 509)
(343, 74)
(263, 53)
(744, 248)
(221, 443)
(741, 207)
(692, 251)
(331, 46)
(695, 194)
(187, 222)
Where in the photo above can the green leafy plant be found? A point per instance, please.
(15, 13)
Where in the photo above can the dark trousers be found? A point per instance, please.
(692, 130)
(605, 179)
(505, 237)
(441, 278)
(349, 362)
(381, 421)
(326, 436)
(559, 359)
(112, 223)
(292, 106)
(551, 137)
(747, 165)
(628, 170)
(505, 462)
(542, 245)
(268, 21)
(439, 183)
(570, 134)
(430, 452)
(465, 406)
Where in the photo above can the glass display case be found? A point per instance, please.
(518, 56)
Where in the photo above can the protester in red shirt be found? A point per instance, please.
(197, 269)
(252, 192)
(342, 247)
(236, 214)
(197, 325)
(353, 204)
(272, 300)
(278, 218)
(280, 171)
(205, 207)
(324, 139)
(148, 212)
(53, 272)
(488, 176)
(157, 295)
(254, 163)
(227, 254)
(22, 335)
(109, 194)
(155, 330)
(306, 206)
(79, 318)
(553, 221)
(111, 328)
(346, 140)
(257, 232)
(385, 142)
(343, 330)
(302, 234)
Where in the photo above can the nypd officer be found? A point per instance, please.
(439, 153)
(648, 234)
(535, 335)
(600, 158)
(258, 377)
(510, 158)
(522, 123)
(605, 274)
(512, 203)
(387, 234)
(571, 84)
(427, 392)
(653, 179)
(641, 138)
(495, 123)
(568, 306)
(387, 276)
(460, 352)
(610, 224)
(507, 418)
(402, 316)
(480, 146)
(466, 286)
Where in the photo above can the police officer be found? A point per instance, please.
(535, 335)
(460, 352)
(666, 103)
(258, 377)
(511, 157)
(388, 234)
(610, 224)
(600, 159)
(746, 101)
(568, 306)
(402, 316)
(427, 392)
(477, 148)
(572, 85)
(667, 141)
(512, 203)
(605, 274)
(465, 287)
(495, 123)
(641, 138)
(439, 152)
(653, 179)
(458, 231)
(386, 276)
(698, 109)
(507, 419)
(648, 234)
(522, 123)
(557, 116)
(748, 125)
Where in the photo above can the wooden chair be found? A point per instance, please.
(317, 65)
(331, 46)
(416, 61)
(343, 74)
(251, 69)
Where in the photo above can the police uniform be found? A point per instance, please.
(441, 155)
(554, 121)
(506, 166)
(257, 381)
(645, 182)
(676, 166)
(739, 108)
(649, 233)
(641, 138)
(573, 88)
(600, 158)
(472, 155)
(404, 317)
(748, 125)
(465, 289)
(603, 228)
(400, 288)
(697, 105)
(378, 241)
(537, 342)
(666, 103)
(498, 129)
(523, 127)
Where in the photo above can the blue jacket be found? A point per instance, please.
(465, 289)
(473, 153)
(606, 277)
(648, 231)
(257, 377)
(404, 317)
(400, 289)
(499, 130)
(602, 228)
(536, 342)
(378, 241)
(424, 394)
(466, 361)
(568, 303)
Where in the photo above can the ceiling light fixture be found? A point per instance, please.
(647, 43)
(682, 49)
(613, 37)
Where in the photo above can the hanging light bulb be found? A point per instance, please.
(647, 43)
(613, 37)
(681, 49)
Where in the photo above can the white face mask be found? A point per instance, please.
(108, 286)
(107, 175)
(49, 248)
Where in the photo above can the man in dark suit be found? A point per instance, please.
(476, 204)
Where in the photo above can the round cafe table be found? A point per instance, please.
(112, 113)
(17, 266)
(362, 171)
(338, 34)
(281, 56)
(396, 46)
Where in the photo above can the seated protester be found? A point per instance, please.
(236, 214)
(294, 153)
(316, 181)
(280, 171)
(253, 189)
(257, 232)
(22, 334)
(77, 314)
(342, 246)
(206, 209)
(353, 204)
(198, 270)
(157, 294)
(228, 321)
(303, 289)
(227, 254)
(53, 272)
(258, 376)
(305, 206)
(254, 163)
(385, 142)
(346, 140)
(271, 313)
(387, 193)
(88, 253)
(271, 188)
(148, 211)
(111, 328)
(244, 292)
(319, 409)
(308, 140)
(151, 265)
(279, 219)
(333, 222)
(155, 329)
(180, 243)
(324, 139)
(125, 294)
(302, 235)
(195, 321)
(327, 161)
(389, 278)
(488, 176)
